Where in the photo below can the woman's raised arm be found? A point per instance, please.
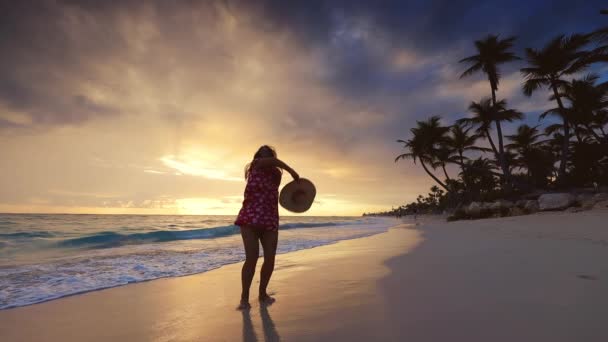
(275, 162)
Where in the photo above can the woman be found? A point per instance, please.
(259, 218)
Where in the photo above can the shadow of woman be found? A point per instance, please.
(248, 332)
(270, 331)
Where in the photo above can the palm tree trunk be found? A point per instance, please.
(433, 176)
(445, 172)
(564, 155)
(489, 137)
(501, 151)
(464, 175)
(462, 165)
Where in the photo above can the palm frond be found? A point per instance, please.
(533, 84)
(405, 156)
(470, 71)
(553, 111)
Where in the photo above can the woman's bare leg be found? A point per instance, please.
(269, 244)
(252, 253)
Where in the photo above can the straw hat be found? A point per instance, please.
(298, 195)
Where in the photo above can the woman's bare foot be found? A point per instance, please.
(244, 305)
(266, 299)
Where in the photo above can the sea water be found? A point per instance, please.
(44, 256)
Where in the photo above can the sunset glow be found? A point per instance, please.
(157, 107)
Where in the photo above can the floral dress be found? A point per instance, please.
(260, 208)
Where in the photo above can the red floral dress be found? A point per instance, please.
(260, 208)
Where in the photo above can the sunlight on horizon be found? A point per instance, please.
(160, 113)
(197, 167)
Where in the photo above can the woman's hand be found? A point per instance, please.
(294, 175)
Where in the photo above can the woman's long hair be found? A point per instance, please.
(257, 155)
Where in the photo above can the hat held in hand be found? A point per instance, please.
(297, 196)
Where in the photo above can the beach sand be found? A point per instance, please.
(541, 277)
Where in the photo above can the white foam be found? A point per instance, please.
(29, 284)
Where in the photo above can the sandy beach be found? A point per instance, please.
(541, 277)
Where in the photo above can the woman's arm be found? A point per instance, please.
(274, 162)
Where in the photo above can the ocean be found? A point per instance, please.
(49, 256)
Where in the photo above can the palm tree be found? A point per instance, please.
(562, 56)
(527, 145)
(585, 163)
(484, 113)
(526, 137)
(482, 180)
(427, 138)
(588, 105)
(581, 133)
(443, 156)
(460, 141)
(491, 52)
(601, 120)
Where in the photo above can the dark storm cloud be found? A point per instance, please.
(439, 31)
(48, 48)
(432, 24)
(431, 28)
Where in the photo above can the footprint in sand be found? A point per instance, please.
(587, 277)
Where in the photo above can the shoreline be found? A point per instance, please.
(539, 277)
(28, 282)
(180, 276)
(207, 301)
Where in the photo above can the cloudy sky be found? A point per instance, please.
(156, 106)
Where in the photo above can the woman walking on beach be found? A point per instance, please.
(259, 219)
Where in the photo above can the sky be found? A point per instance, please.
(155, 107)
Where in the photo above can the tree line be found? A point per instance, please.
(569, 152)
